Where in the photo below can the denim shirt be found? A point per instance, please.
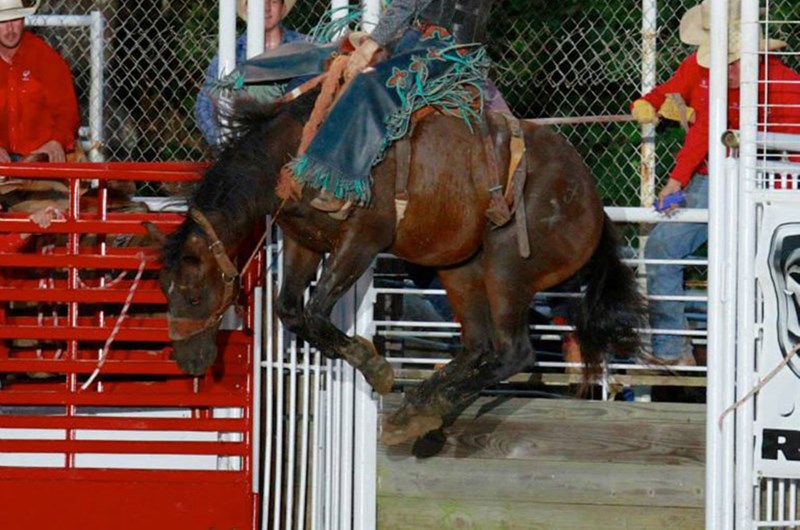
(205, 108)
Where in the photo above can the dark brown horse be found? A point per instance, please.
(489, 285)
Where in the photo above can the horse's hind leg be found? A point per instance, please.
(509, 284)
(426, 406)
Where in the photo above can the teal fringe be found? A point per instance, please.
(453, 92)
(329, 28)
(317, 175)
(323, 33)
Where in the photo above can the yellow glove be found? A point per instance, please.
(644, 112)
(671, 110)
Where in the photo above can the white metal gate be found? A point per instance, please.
(320, 422)
(753, 423)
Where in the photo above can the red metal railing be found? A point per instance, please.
(57, 309)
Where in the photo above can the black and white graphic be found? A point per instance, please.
(785, 273)
(774, 334)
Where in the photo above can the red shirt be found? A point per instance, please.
(690, 80)
(37, 98)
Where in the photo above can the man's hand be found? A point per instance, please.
(361, 58)
(669, 188)
(671, 110)
(45, 216)
(5, 158)
(53, 150)
(643, 112)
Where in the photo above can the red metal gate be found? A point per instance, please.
(142, 445)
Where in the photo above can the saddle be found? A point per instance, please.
(501, 135)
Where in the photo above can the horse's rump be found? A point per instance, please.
(448, 189)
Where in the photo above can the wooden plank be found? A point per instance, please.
(636, 443)
(479, 481)
(572, 430)
(633, 378)
(397, 513)
(534, 410)
(551, 464)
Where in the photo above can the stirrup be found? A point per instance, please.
(342, 213)
(327, 202)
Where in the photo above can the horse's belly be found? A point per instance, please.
(444, 220)
(438, 239)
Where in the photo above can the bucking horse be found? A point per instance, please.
(489, 283)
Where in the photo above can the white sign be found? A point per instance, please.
(777, 427)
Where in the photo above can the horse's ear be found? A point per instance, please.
(158, 236)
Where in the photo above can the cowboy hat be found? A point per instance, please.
(695, 29)
(735, 47)
(13, 9)
(241, 7)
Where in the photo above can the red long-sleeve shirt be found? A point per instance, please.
(690, 80)
(37, 98)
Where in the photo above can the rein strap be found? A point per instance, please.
(229, 271)
(184, 328)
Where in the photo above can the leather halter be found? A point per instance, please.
(184, 328)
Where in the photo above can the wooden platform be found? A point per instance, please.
(516, 463)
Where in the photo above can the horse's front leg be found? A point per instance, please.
(344, 267)
(300, 267)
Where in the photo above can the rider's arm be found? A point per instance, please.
(396, 19)
(204, 109)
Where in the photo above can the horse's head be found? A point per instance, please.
(198, 278)
(200, 283)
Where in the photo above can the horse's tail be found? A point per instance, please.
(612, 308)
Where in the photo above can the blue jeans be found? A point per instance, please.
(674, 241)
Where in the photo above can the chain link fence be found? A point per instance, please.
(574, 58)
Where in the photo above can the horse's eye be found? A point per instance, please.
(195, 300)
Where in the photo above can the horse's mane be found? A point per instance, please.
(238, 187)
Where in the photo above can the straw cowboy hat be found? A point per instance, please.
(241, 7)
(695, 29)
(13, 9)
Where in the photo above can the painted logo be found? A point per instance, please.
(784, 269)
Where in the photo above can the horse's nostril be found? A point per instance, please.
(192, 366)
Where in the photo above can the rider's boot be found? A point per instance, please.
(335, 207)
(327, 202)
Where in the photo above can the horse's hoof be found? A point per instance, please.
(377, 370)
(379, 373)
(405, 425)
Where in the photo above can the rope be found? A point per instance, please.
(261, 241)
(258, 247)
(104, 354)
(47, 283)
(332, 85)
(761, 384)
(112, 283)
(330, 88)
